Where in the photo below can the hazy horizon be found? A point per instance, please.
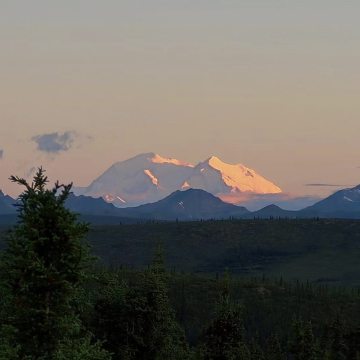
(270, 84)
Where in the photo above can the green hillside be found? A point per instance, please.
(321, 251)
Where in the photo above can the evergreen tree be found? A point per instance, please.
(336, 343)
(118, 318)
(164, 338)
(274, 349)
(138, 322)
(224, 339)
(353, 340)
(42, 270)
(256, 352)
(304, 346)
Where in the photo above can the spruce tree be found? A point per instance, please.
(164, 337)
(337, 345)
(137, 322)
(256, 350)
(304, 345)
(353, 340)
(274, 349)
(224, 339)
(42, 270)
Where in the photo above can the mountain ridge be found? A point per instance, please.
(150, 177)
(191, 204)
(7, 204)
(197, 204)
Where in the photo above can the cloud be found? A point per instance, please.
(286, 201)
(1, 153)
(327, 185)
(54, 143)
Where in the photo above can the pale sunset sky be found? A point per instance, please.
(272, 84)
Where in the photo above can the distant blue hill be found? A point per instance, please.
(7, 206)
(342, 204)
(273, 211)
(192, 204)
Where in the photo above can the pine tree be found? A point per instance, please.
(165, 339)
(255, 350)
(274, 349)
(137, 322)
(118, 317)
(224, 339)
(304, 346)
(42, 269)
(353, 339)
(337, 346)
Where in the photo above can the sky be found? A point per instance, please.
(271, 84)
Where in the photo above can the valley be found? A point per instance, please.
(319, 251)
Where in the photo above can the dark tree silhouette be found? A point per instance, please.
(42, 270)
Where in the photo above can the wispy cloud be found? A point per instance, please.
(1, 153)
(54, 143)
(327, 185)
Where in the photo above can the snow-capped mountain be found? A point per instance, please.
(150, 177)
(142, 179)
(229, 182)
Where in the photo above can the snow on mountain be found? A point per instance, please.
(150, 177)
(157, 159)
(229, 181)
(139, 180)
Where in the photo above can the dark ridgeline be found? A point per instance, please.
(192, 204)
(196, 204)
(42, 273)
(342, 204)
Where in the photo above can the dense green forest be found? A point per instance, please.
(214, 290)
(320, 250)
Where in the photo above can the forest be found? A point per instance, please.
(211, 290)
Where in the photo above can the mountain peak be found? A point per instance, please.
(190, 204)
(140, 158)
(149, 177)
(239, 178)
(154, 158)
(158, 159)
(213, 158)
(272, 207)
(214, 161)
(219, 164)
(148, 155)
